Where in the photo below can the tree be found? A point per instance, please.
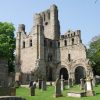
(7, 43)
(94, 54)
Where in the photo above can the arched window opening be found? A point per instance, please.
(30, 43)
(64, 73)
(69, 57)
(74, 33)
(58, 44)
(46, 23)
(65, 42)
(49, 57)
(51, 44)
(68, 35)
(48, 15)
(44, 17)
(45, 43)
(71, 34)
(72, 41)
(23, 44)
(50, 74)
(43, 28)
(80, 73)
(27, 78)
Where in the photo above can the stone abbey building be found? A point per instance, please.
(46, 54)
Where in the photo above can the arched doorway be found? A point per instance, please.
(49, 73)
(64, 72)
(79, 73)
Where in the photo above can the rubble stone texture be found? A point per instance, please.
(46, 53)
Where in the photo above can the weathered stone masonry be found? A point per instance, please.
(45, 53)
(3, 73)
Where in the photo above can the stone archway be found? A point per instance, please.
(64, 72)
(79, 73)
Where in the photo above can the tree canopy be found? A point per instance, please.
(7, 43)
(94, 54)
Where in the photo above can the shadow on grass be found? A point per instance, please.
(97, 93)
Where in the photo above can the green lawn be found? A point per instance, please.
(48, 95)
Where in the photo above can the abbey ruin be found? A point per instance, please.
(47, 54)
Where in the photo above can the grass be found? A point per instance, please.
(48, 95)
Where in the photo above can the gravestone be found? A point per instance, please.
(32, 90)
(82, 84)
(94, 81)
(34, 84)
(70, 83)
(58, 88)
(97, 79)
(43, 85)
(31, 83)
(89, 87)
(62, 83)
(17, 79)
(40, 83)
(17, 84)
(76, 94)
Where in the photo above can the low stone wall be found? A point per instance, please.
(26, 86)
(6, 91)
(11, 98)
(47, 83)
(51, 83)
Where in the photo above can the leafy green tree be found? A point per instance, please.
(94, 54)
(7, 43)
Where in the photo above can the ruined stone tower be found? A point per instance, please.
(45, 54)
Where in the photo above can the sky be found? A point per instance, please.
(73, 14)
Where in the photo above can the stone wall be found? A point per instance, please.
(46, 26)
(3, 73)
(44, 51)
(50, 22)
(7, 91)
